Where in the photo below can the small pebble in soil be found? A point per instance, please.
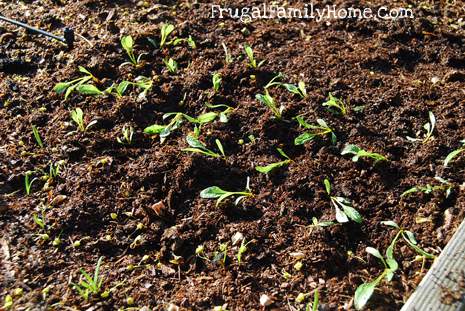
(265, 300)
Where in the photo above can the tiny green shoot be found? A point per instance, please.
(197, 146)
(429, 130)
(220, 195)
(250, 56)
(227, 56)
(128, 45)
(77, 115)
(88, 285)
(242, 250)
(336, 105)
(452, 155)
(165, 31)
(127, 134)
(444, 187)
(36, 134)
(28, 182)
(216, 80)
(171, 65)
(360, 153)
(342, 206)
(298, 89)
(320, 129)
(272, 166)
(81, 85)
(268, 101)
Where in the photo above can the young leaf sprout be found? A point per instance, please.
(299, 89)
(366, 290)
(36, 134)
(250, 56)
(128, 133)
(216, 80)
(270, 167)
(171, 65)
(445, 187)
(227, 56)
(89, 285)
(360, 153)
(454, 154)
(165, 31)
(429, 128)
(220, 195)
(336, 105)
(268, 101)
(28, 182)
(242, 250)
(320, 129)
(80, 85)
(128, 45)
(342, 206)
(77, 115)
(198, 147)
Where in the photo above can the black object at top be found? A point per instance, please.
(68, 36)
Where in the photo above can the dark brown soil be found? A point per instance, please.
(386, 66)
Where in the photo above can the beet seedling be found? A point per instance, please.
(429, 128)
(216, 80)
(165, 31)
(197, 146)
(77, 116)
(270, 167)
(128, 133)
(445, 186)
(242, 250)
(454, 154)
(28, 182)
(80, 85)
(320, 130)
(89, 285)
(36, 134)
(298, 89)
(128, 45)
(268, 101)
(336, 105)
(220, 195)
(223, 115)
(227, 56)
(342, 206)
(250, 56)
(364, 292)
(171, 65)
(360, 153)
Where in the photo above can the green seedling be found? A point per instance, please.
(360, 153)
(53, 170)
(268, 101)
(429, 128)
(316, 302)
(320, 224)
(165, 31)
(274, 81)
(28, 182)
(197, 146)
(77, 115)
(8, 303)
(227, 56)
(128, 45)
(454, 154)
(40, 221)
(81, 85)
(220, 195)
(444, 187)
(36, 134)
(298, 89)
(320, 129)
(191, 42)
(250, 56)
(88, 285)
(165, 130)
(343, 207)
(270, 167)
(216, 80)
(364, 292)
(127, 134)
(223, 115)
(336, 105)
(242, 250)
(171, 65)
(222, 254)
